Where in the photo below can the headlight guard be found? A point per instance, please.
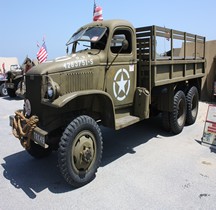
(51, 89)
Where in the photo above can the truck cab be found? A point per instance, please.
(116, 49)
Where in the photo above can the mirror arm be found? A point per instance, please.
(107, 67)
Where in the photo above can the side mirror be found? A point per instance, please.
(67, 50)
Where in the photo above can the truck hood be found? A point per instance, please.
(65, 63)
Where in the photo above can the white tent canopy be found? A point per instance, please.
(8, 62)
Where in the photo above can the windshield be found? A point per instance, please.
(86, 36)
(15, 67)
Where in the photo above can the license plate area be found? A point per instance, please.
(10, 85)
(39, 136)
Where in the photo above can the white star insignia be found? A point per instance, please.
(121, 84)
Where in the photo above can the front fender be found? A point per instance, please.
(63, 100)
(18, 77)
(101, 102)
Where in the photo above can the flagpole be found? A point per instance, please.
(94, 7)
(44, 38)
(38, 45)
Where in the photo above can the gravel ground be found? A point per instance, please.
(142, 167)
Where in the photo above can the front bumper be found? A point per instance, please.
(10, 85)
(38, 135)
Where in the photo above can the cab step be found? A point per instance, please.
(126, 121)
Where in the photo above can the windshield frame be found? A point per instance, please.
(79, 35)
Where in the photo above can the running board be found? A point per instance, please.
(126, 121)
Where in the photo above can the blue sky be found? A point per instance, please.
(23, 22)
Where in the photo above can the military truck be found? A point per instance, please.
(15, 78)
(116, 79)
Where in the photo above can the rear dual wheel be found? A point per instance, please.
(178, 115)
(192, 105)
(185, 109)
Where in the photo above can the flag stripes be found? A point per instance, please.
(42, 54)
(97, 13)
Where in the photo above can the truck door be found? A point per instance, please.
(121, 76)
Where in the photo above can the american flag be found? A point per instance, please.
(42, 53)
(97, 13)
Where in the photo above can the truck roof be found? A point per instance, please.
(109, 23)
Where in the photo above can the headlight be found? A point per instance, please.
(52, 90)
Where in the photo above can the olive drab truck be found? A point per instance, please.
(113, 76)
(13, 76)
(14, 82)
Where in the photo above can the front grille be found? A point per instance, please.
(76, 81)
(33, 93)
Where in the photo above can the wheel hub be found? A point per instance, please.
(83, 151)
(87, 155)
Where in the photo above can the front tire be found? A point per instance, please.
(37, 151)
(11, 92)
(3, 90)
(80, 151)
(178, 115)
